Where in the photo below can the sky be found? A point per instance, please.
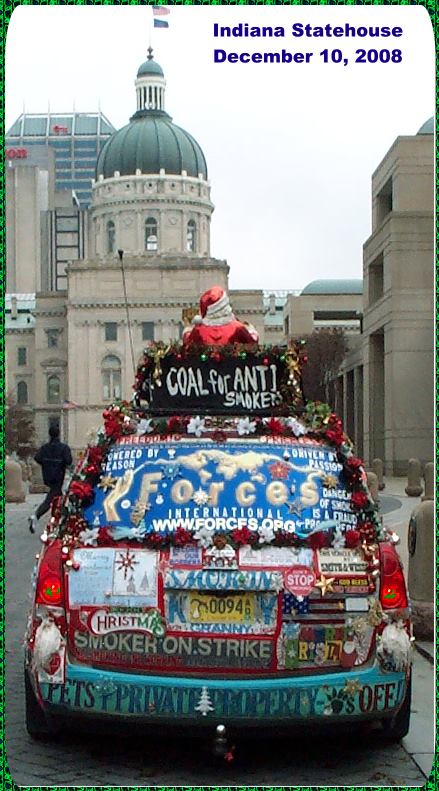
(290, 147)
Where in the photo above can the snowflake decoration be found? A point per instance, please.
(89, 537)
(107, 482)
(171, 470)
(204, 537)
(126, 562)
(279, 470)
(171, 452)
(200, 497)
(245, 426)
(296, 427)
(196, 426)
(144, 426)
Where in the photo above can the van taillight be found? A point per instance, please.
(393, 594)
(49, 588)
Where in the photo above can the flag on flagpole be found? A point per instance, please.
(160, 23)
(70, 405)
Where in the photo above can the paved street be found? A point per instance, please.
(81, 760)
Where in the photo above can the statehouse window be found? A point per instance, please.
(22, 393)
(111, 377)
(110, 331)
(22, 355)
(52, 338)
(53, 390)
(111, 236)
(147, 330)
(151, 236)
(376, 279)
(191, 236)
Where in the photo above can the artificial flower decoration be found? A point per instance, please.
(196, 426)
(359, 499)
(245, 426)
(296, 427)
(144, 426)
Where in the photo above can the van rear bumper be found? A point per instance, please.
(344, 696)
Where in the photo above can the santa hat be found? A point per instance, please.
(215, 308)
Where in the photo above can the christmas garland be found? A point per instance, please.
(316, 422)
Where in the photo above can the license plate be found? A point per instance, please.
(209, 608)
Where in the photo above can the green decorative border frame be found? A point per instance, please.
(8, 7)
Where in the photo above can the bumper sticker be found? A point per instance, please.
(272, 702)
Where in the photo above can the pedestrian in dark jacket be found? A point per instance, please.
(54, 457)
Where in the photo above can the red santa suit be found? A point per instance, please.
(217, 326)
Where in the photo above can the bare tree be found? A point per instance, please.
(19, 429)
(326, 350)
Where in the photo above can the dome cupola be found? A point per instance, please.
(151, 143)
(150, 85)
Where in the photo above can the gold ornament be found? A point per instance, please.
(330, 481)
(325, 584)
(107, 482)
(352, 686)
(158, 357)
(375, 615)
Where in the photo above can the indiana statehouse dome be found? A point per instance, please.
(151, 142)
(327, 287)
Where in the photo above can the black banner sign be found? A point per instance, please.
(232, 385)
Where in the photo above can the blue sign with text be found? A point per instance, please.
(266, 487)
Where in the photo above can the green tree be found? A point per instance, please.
(326, 350)
(20, 431)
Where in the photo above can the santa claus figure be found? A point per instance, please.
(217, 326)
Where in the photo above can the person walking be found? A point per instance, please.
(54, 457)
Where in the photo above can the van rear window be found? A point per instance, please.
(152, 486)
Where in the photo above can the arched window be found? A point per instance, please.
(111, 377)
(151, 238)
(22, 396)
(53, 390)
(191, 236)
(111, 236)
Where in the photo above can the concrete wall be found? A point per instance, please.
(398, 321)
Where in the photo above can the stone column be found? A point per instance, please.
(429, 481)
(414, 486)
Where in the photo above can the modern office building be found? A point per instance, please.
(387, 388)
(76, 138)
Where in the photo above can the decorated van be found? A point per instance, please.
(218, 560)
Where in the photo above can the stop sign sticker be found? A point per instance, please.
(299, 580)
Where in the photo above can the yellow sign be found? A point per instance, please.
(210, 608)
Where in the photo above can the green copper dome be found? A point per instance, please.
(149, 143)
(150, 67)
(427, 128)
(324, 287)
